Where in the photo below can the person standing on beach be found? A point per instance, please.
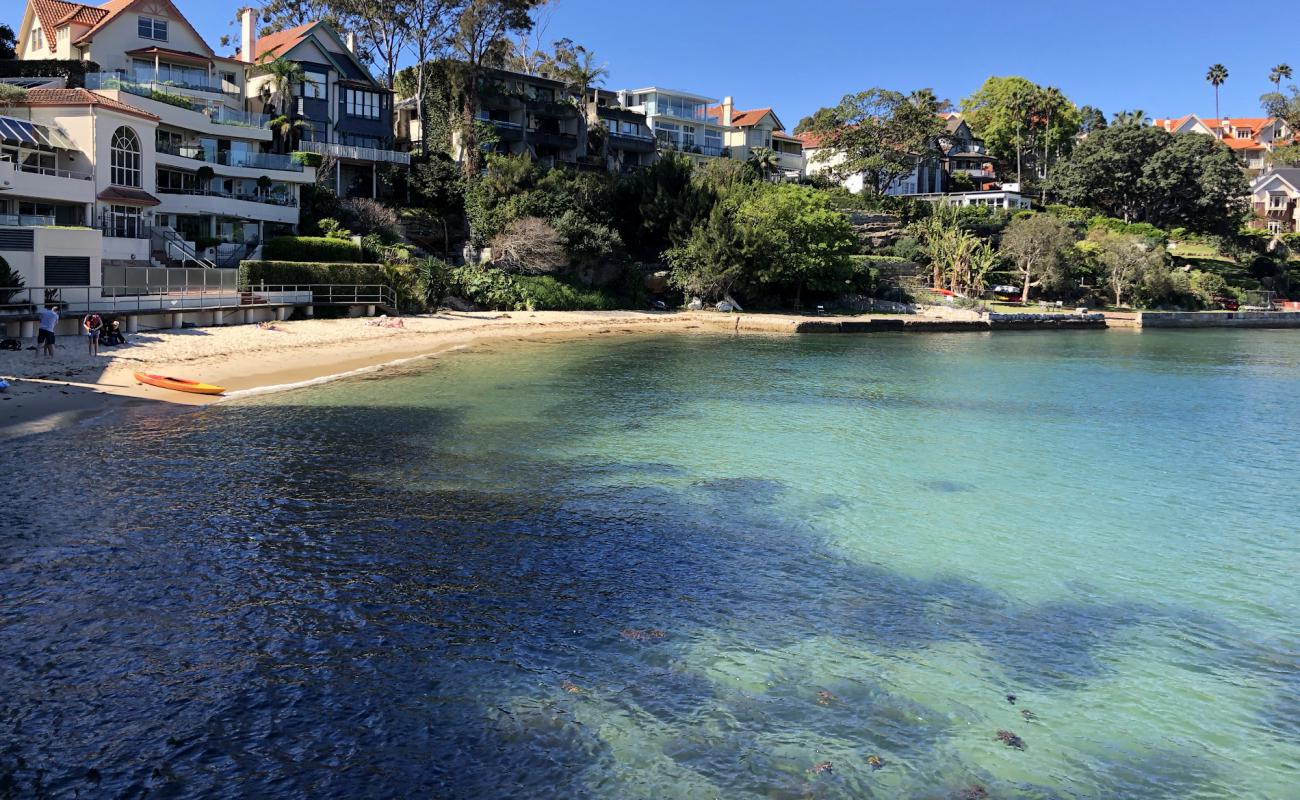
(93, 326)
(45, 336)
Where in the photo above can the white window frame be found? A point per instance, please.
(37, 41)
(126, 221)
(150, 27)
(363, 104)
(318, 83)
(125, 160)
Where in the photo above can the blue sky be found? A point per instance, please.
(797, 56)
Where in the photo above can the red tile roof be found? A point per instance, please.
(1242, 144)
(810, 139)
(282, 41)
(79, 97)
(741, 118)
(113, 7)
(53, 13)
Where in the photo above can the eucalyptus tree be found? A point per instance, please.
(880, 134)
(479, 37)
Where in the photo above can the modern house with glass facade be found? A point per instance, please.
(680, 121)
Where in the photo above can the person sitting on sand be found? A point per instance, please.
(270, 326)
(49, 320)
(93, 325)
(113, 336)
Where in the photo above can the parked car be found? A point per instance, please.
(1226, 303)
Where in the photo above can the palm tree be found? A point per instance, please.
(1282, 72)
(285, 127)
(579, 69)
(1136, 117)
(1217, 76)
(284, 74)
(1051, 99)
(764, 160)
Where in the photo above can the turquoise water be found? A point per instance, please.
(677, 567)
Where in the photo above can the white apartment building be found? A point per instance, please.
(161, 133)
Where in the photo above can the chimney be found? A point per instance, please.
(352, 42)
(247, 35)
(728, 106)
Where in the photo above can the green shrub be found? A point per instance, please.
(1144, 229)
(502, 291)
(280, 273)
(307, 159)
(1069, 213)
(311, 248)
(333, 229)
(171, 99)
(74, 71)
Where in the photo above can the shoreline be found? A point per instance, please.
(47, 395)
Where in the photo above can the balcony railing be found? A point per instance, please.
(231, 158)
(649, 137)
(213, 86)
(27, 220)
(693, 149)
(270, 200)
(153, 90)
(52, 172)
(355, 153)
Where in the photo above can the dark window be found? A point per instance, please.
(67, 270)
(150, 28)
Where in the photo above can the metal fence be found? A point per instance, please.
(24, 302)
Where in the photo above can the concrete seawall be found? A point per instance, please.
(1219, 319)
(995, 322)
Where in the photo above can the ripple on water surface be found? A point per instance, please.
(674, 567)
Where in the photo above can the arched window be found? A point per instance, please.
(125, 159)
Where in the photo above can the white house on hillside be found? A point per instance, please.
(1275, 201)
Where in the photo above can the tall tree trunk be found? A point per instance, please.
(419, 100)
(470, 155)
(1047, 142)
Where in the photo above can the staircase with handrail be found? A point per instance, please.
(167, 246)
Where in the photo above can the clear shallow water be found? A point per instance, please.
(626, 568)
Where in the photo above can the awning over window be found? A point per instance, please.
(128, 197)
(32, 134)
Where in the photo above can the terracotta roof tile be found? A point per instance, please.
(741, 118)
(283, 41)
(79, 97)
(53, 13)
(810, 139)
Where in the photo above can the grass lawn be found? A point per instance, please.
(1187, 250)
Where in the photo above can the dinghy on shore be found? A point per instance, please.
(178, 384)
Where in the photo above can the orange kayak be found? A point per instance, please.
(178, 384)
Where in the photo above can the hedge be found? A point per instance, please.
(307, 159)
(312, 249)
(281, 273)
(73, 71)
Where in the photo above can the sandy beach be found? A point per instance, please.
(46, 394)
